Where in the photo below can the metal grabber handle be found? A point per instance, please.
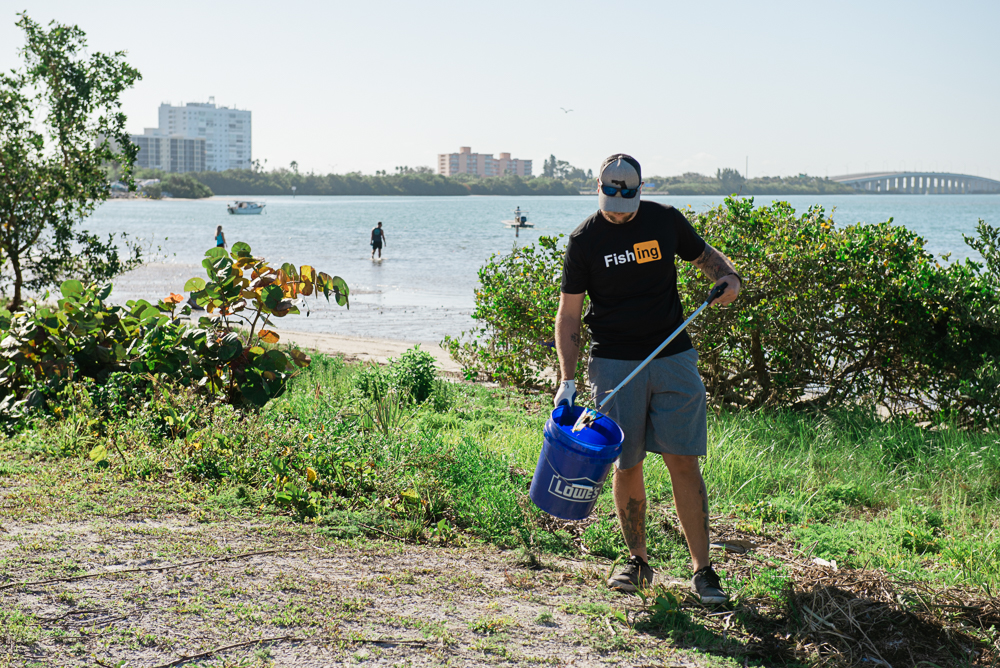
(712, 296)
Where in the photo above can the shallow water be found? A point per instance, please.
(423, 287)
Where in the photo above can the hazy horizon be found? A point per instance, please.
(339, 87)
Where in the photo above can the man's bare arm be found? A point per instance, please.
(717, 268)
(568, 333)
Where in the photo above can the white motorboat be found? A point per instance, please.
(244, 208)
(520, 219)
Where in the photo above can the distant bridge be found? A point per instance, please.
(919, 183)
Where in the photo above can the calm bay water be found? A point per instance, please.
(423, 287)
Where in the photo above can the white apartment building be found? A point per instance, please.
(483, 164)
(225, 131)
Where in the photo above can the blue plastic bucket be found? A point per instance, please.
(572, 467)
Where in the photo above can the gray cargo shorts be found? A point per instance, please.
(661, 410)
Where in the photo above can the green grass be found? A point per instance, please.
(847, 486)
(866, 492)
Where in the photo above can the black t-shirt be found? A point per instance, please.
(628, 271)
(377, 235)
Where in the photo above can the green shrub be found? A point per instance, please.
(413, 373)
(516, 304)
(412, 376)
(372, 381)
(185, 186)
(839, 316)
(829, 316)
(82, 336)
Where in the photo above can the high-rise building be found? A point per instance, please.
(224, 134)
(170, 154)
(483, 164)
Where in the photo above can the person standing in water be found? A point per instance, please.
(220, 238)
(378, 240)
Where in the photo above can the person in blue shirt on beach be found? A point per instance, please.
(378, 240)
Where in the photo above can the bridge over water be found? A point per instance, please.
(919, 183)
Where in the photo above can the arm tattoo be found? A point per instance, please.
(714, 264)
(575, 338)
(633, 520)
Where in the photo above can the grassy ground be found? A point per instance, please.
(909, 514)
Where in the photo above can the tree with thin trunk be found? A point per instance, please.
(60, 125)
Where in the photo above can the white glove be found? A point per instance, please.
(566, 393)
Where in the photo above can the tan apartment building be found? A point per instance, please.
(483, 164)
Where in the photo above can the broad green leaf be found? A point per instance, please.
(217, 253)
(230, 346)
(272, 295)
(194, 284)
(99, 453)
(71, 287)
(149, 313)
(241, 248)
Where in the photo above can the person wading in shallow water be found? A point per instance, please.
(623, 257)
(220, 238)
(378, 240)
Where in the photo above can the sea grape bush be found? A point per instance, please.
(829, 316)
(245, 290)
(43, 347)
(860, 314)
(81, 336)
(516, 303)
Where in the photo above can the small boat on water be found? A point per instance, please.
(245, 208)
(520, 219)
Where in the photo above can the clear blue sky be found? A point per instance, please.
(800, 86)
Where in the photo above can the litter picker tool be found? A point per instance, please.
(589, 414)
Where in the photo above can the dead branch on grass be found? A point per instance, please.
(260, 641)
(154, 569)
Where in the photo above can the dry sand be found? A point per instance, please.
(368, 349)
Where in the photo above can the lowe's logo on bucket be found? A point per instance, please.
(577, 489)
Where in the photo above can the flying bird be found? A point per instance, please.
(565, 110)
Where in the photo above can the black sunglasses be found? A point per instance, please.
(611, 191)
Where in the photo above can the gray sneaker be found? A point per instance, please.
(635, 574)
(707, 587)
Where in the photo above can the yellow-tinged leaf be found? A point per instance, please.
(311, 474)
(268, 336)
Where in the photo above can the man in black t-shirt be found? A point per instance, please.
(623, 257)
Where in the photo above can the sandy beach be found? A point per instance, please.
(368, 349)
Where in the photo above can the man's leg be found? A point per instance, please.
(691, 503)
(630, 501)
